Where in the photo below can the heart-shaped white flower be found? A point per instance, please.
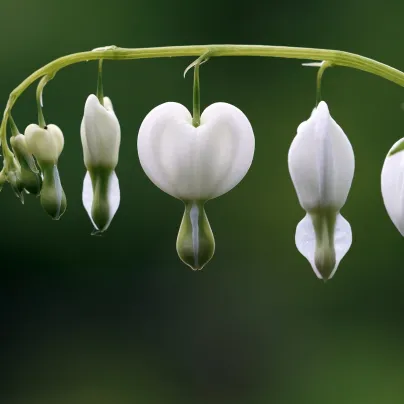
(196, 163)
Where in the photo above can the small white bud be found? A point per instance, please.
(46, 144)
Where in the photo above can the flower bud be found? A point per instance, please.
(29, 175)
(3, 178)
(45, 144)
(100, 137)
(321, 164)
(195, 164)
(392, 184)
(14, 178)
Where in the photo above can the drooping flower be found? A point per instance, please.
(46, 144)
(100, 137)
(321, 164)
(392, 184)
(195, 164)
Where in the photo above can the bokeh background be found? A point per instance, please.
(119, 319)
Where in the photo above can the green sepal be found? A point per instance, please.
(195, 241)
(53, 198)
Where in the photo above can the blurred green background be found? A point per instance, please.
(119, 319)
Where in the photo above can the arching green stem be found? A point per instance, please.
(337, 58)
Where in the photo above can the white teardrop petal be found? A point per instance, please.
(57, 137)
(305, 239)
(87, 195)
(392, 185)
(108, 104)
(114, 196)
(321, 161)
(196, 163)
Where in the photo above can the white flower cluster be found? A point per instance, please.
(199, 163)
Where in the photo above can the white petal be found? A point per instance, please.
(100, 134)
(321, 161)
(57, 137)
(305, 239)
(108, 104)
(114, 196)
(196, 163)
(88, 195)
(392, 181)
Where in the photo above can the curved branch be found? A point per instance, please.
(337, 58)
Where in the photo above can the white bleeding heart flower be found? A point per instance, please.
(195, 164)
(321, 164)
(392, 183)
(101, 138)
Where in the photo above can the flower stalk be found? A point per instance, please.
(196, 115)
(39, 98)
(336, 57)
(100, 86)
